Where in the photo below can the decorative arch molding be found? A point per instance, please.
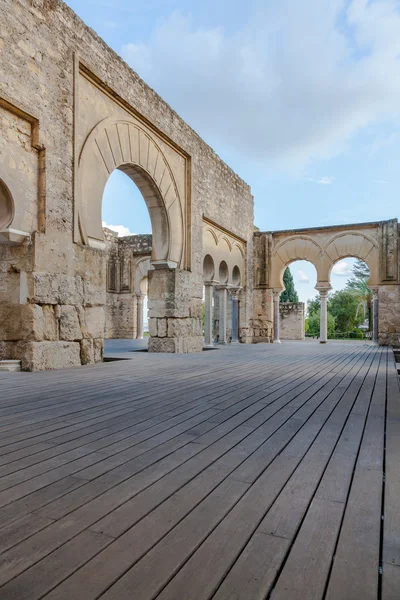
(298, 248)
(350, 243)
(223, 246)
(239, 248)
(123, 144)
(224, 238)
(214, 235)
(294, 239)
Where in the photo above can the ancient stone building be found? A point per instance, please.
(377, 244)
(71, 112)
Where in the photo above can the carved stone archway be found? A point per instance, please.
(122, 144)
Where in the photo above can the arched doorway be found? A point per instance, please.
(126, 225)
(126, 146)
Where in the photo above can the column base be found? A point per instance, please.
(222, 343)
(323, 341)
(235, 342)
(276, 342)
(208, 346)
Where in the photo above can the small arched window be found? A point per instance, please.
(6, 206)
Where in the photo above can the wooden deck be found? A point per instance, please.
(248, 473)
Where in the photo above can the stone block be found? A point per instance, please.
(53, 288)
(40, 356)
(98, 349)
(94, 294)
(70, 328)
(21, 322)
(50, 323)
(87, 352)
(6, 350)
(180, 327)
(163, 345)
(94, 322)
(181, 345)
(162, 328)
(152, 326)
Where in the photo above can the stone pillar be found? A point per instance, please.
(139, 334)
(375, 315)
(208, 314)
(235, 315)
(135, 316)
(323, 327)
(175, 309)
(223, 292)
(277, 295)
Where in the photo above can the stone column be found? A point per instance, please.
(134, 316)
(140, 298)
(277, 295)
(375, 315)
(235, 315)
(323, 327)
(208, 314)
(223, 292)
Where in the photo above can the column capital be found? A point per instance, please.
(323, 287)
(234, 292)
(277, 294)
(211, 282)
(374, 289)
(223, 286)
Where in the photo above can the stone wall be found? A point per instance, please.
(389, 315)
(128, 260)
(292, 315)
(53, 290)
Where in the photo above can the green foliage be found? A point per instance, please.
(313, 306)
(313, 322)
(343, 306)
(357, 285)
(290, 294)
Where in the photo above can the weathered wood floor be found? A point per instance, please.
(248, 473)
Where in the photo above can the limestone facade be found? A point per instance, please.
(71, 111)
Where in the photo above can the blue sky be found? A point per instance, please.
(301, 99)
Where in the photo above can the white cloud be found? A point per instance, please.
(302, 277)
(295, 83)
(343, 269)
(322, 180)
(120, 229)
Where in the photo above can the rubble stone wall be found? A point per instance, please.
(291, 316)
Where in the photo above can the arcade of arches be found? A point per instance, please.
(67, 122)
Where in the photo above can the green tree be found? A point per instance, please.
(358, 286)
(290, 294)
(313, 323)
(313, 306)
(343, 305)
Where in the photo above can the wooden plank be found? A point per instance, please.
(159, 499)
(358, 546)
(255, 569)
(391, 528)
(198, 577)
(390, 582)
(307, 567)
